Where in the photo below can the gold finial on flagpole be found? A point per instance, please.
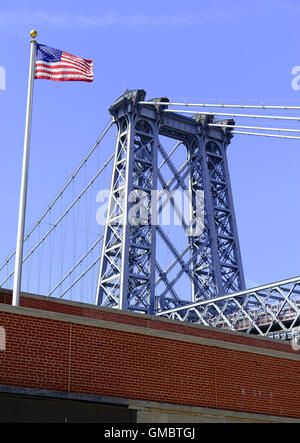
(33, 33)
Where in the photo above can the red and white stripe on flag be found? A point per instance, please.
(69, 68)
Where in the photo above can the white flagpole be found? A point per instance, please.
(23, 192)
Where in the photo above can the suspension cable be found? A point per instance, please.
(62, 216)
(61, 191)
(76, 265)
(221, 105)
(258, 128)
(80, 277)
(272, 117)
(266, 135)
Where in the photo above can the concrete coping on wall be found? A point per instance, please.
(255, 347)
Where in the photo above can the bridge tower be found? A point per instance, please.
(130, 264)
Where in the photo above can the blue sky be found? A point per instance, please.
(210, 51)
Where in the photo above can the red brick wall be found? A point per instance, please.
(83, 310)
(66, 356)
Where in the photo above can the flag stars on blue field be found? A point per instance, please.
(47, 54)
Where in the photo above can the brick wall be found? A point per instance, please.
(71, 347)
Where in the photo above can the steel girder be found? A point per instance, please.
(272, 310)
(131, 275)
(127, 269)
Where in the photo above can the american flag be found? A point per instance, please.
(53, 64)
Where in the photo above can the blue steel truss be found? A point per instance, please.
(130, 266)
(200, 280)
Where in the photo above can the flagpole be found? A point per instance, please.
(24, 181)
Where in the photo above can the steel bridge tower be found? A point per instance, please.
(130, 265)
